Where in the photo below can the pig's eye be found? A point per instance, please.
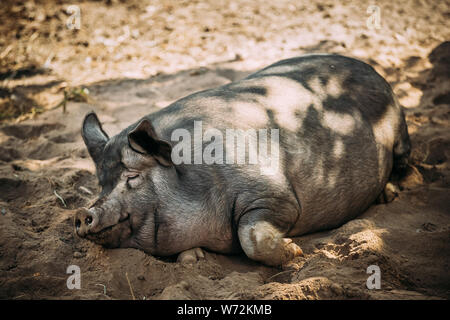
(131, 178)
(131, 175)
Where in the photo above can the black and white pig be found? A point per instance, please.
(341, 135)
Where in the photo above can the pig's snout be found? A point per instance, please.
(85, 221)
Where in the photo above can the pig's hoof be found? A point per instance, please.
(263, 242)
(389, 193)
(291, 250)
(191, 256)
(284, 252)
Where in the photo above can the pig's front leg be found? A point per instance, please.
(262, 237)
(191, 255)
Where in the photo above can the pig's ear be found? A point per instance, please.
(143, 139)
(94, 137)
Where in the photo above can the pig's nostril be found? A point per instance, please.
(88, 220)
(78, 223)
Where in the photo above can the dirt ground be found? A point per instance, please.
(135, 57)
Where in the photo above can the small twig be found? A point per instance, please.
(52, 184)
(34, 206)
(60, 198)
(86, 190)
(131, 289)
(104, 287)
(6, 51)
(64, 102)
(282, 272)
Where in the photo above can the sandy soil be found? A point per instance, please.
(137, 57)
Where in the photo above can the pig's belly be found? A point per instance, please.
(338, 178)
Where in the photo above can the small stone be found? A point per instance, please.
(337, 289)
(354, 256)
(77, 255)
(429, 227)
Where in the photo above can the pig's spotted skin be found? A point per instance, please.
(338, 110)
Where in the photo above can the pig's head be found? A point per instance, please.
(128, 165)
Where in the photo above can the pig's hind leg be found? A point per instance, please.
(262, 237)
(401, 152)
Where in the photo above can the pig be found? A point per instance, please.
(342, 136)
